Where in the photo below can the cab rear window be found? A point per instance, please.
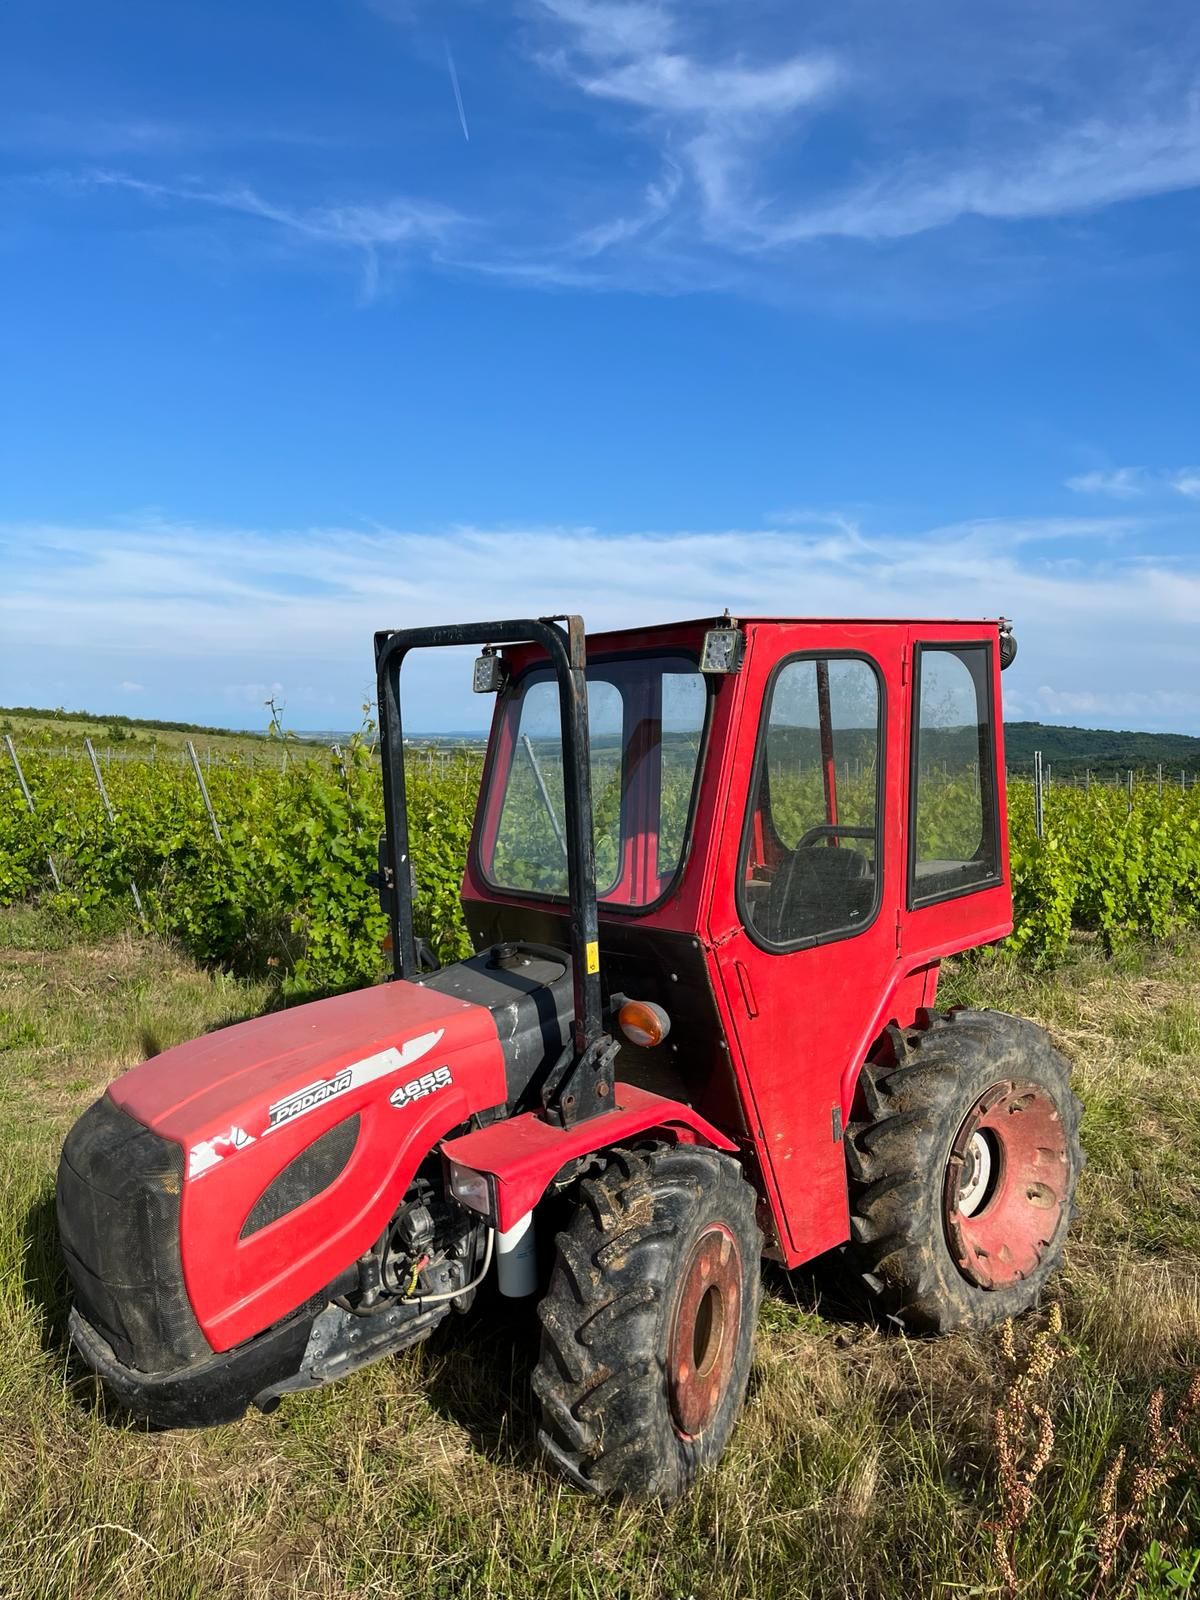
(953, 826)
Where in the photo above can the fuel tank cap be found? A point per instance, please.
(508, 955)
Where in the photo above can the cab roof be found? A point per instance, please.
(791, 622)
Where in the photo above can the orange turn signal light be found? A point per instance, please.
(643, 1023)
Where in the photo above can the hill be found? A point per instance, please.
(1068, 751)
(1105, 752)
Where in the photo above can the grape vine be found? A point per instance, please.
(285, 887)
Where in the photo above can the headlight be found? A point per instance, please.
(470, 1188)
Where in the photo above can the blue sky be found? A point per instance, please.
(321, 318)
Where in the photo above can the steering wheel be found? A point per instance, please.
(832, 830)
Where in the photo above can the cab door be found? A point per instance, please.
(805, 931)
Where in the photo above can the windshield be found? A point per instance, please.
(646, 719)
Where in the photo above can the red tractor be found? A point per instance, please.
(714, 870)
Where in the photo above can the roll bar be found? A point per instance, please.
(566, 650)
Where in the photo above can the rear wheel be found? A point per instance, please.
(648, 1321)
(963, 1159)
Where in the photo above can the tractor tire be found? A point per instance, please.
(648, 1322)
(963, 1158)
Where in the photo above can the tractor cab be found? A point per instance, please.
(714, 869)
(793, 822)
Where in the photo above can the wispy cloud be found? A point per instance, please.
(393, 226)
(1122, 483)
(214, 616)
(1140, 706)
(1132, 483)
(736, 128)
(610, 29)
(1098, 162)
(715, 112)
(810, 152)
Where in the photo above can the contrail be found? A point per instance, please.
(462, 115)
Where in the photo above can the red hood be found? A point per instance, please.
(409, 1062)
(239, 1073)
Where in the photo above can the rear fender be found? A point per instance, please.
(522, 1155)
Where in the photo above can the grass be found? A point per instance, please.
(864, 1464)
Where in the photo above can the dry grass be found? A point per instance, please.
(865, 1465)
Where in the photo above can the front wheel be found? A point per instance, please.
(963, 1158)
(648, 1322)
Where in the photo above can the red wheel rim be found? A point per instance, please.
(704, 1331)
(1006, 1184)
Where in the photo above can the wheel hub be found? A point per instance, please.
(704, 1330)
(1006, 1184)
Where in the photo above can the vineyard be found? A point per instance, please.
(282, 891)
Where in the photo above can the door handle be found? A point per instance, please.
(747, 988)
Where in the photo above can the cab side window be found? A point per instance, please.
(812, 851)
(953, 823)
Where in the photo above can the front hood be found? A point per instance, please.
(270, 1071)
(396, 1067)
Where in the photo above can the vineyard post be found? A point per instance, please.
(12, 750)
(545, 794)
(108, 811)
(1038, 815)
(1087, 781)
(212, 816)
(1160, 780)
(1129, 788)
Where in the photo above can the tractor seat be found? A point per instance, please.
(817, 890)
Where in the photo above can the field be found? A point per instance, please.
(867, 1464)
(120, 738)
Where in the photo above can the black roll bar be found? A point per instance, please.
(566, 650)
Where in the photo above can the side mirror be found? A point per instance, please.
(1008, 645)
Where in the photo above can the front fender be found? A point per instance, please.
(524, 1154)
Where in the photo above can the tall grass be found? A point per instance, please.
(865, 1465)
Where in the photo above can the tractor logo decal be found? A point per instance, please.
(357, 1073)
(427, 1083)
(203, 1157)
(307, 1099)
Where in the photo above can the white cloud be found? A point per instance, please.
(220, 616)
(1098, 162)
(1129, 483)
(126, 687)
(1123, 483)
(675, 82)
(616, 27)
(393, 226)
(1154, 705)
(776, 149)
(715, 112)
(734, 123)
